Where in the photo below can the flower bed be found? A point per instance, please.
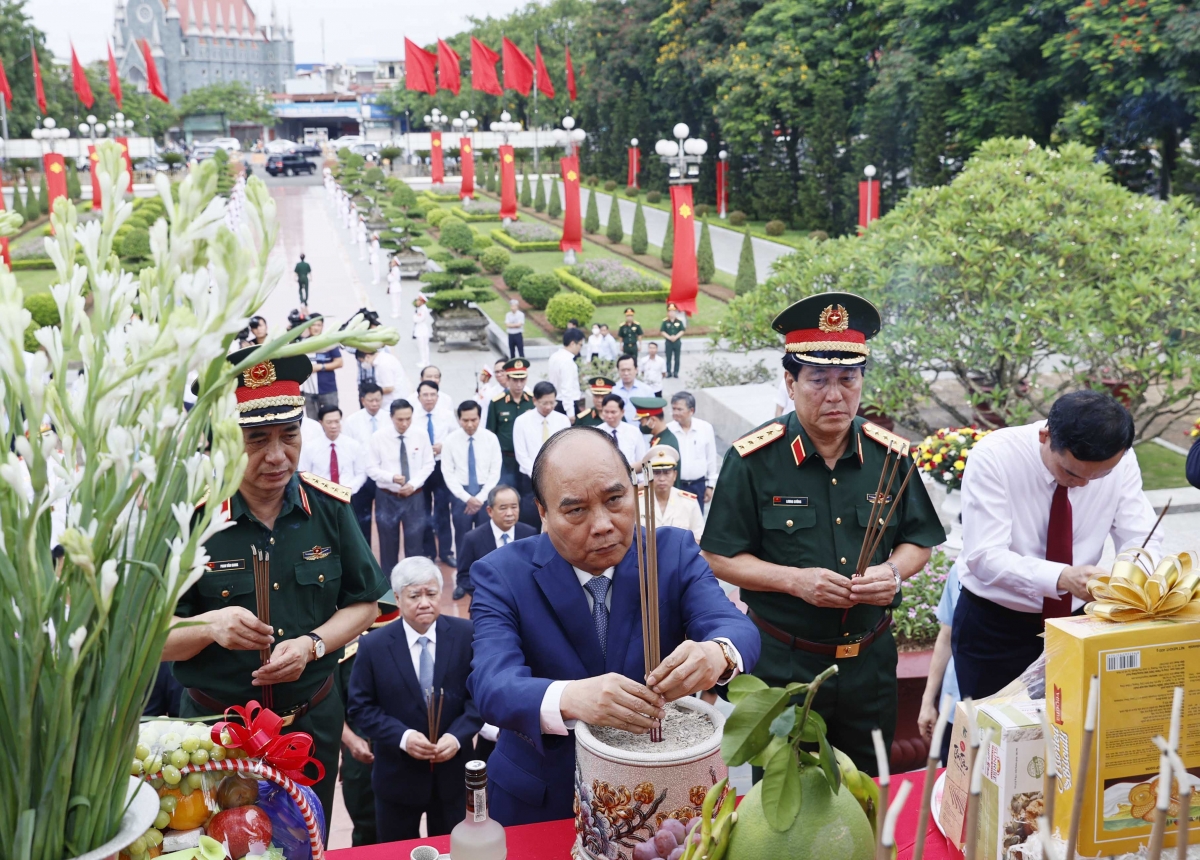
(600, 297)
(916, 619)
(613, 276)
(530, 236)
(479, 212)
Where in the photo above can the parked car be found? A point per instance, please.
(308, 151)
(280, 146)
(289, 164)
(229, 144)
(204, 151)
(369, 151)
(346, 141)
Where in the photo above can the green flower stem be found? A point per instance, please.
(813, 686)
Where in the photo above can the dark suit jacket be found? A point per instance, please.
(385, 700)
(533, 626)
(479, 541)
(1193, 464)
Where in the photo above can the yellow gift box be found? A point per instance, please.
(1139, 665)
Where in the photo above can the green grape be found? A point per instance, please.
(142, 751)
(135, 768)
(190, 744)
(154, 837)
(206, 743)
(199, 757)
(171, 774)
(152, 765)
(170, 741)
(162, 820)
(179, 758)
(218, 753)
(167, 803)
(156, 782)
(185, 789)
(195, 780)
(138, 847)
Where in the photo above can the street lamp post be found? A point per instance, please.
(437, 121)
(868, 204)
(682, 156)
(722, 183)
(504, 128)
(465, 123)
(48, 133)
(92, 129)
(569, 137)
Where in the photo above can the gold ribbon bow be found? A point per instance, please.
(1130, 593)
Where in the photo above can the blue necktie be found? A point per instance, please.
(504, 539)
(598, 586)
(374, 424)
(429, 425)
(426, 673)
(473, 485)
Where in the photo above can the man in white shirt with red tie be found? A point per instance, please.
(336, 456)
(1038, 503)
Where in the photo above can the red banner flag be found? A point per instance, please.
(572, 234)
(80, 82)
(449, 74)
(483, 68)
(518, 68)
(570, 75)
(544, 84)
(153, 82)
(685, 282)
(37, 81)
(5, 89)
(508, 183)
(722, 187)
(93, 168)
(437, 168)
(4, 240)
(123, 142)
(420, 68)
(114, 78)
(56, 176)
(868, 202)
(466, 155)
(635, 165)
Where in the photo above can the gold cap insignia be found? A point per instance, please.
(260, 375)
(834, 318)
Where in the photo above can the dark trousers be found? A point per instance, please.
(360, 799)
(674, 348)
(529, 514)
(362, 503)
(516, 345)
(697, 487)
(396, 821)
(463, 523)
(437, 507)
(509, 470)
(314, 402)
(992, 644)
(303, 292)
(392, 512)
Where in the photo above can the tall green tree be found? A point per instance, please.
(554, 207)
(668, 246)
(614, 231)
(747, 276)
(526, 199)
(705, 266)
(233, 99)
(638, 240)
(591, 220)
(539, 197)
(43, 196)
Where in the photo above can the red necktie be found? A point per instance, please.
(333, 474)
(1059, 547)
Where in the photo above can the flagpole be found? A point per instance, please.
(535, 108)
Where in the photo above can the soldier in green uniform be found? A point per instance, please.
(601, 387)
(503, 413)
(322, 580)
(793, 503)
(630, 334)
(672, 329)
(650, 415)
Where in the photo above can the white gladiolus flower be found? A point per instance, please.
(75, 641)
(108, 582)
(146, 466)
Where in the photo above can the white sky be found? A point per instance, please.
(353, 28)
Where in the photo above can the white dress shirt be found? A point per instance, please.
(360, 427)
(528, 430)
(487, 462)
(697, 451)
(608, 347)
(638, 389)
(422, 322)
(630, 439)
(653, 370)
(443, 424)
(562, 373)
(311, 432)
(551, 710)
(352, 460)
(1007, 491)
(392, 378)
(499, 535)
(414, 652)
(385, 457)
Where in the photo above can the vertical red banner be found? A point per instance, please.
(685, 282)
(466, 154)
(123, 142)
(438, 169)
(508, 183)
(722, 187)
(93, 166)
(56, 176)
(572, 235)
(868, 202)
(634, 167)
(4, 241)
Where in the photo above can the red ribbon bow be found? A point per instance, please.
(259, 737)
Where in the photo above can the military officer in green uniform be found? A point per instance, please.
(793, 503)
(601, 387)
(503, 413)
(672, 329)
(630, 334)
(650, 413)
(321, 579)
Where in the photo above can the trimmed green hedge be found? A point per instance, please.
(502, 238)
(468, 215)
(439, 198)
(28, 263)
(537, 289)
(599, 297)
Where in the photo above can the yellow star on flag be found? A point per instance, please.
(56, 168)
(94, 156)
(437, 143)
(508, 159)
(685, 211)
(572, 175)
(467, 148)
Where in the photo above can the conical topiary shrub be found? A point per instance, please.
(32, 210)
(43, 196)
(539, 196)
(591, 221)
(73, 189)
(668, 248)
(747, 276)
(614, 231)
(639, 242)
(554, 207)
(705, 267)
(526, 198)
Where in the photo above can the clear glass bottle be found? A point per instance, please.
(477, 837)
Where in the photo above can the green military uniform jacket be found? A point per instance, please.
(319, 564)
(503, 413)
(589, 418)
(777, 500)
(671, 327)
(629, 335)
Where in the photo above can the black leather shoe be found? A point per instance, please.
(450, 561)
(459, 594)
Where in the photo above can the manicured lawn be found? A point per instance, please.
(1161, 467)
(36, 280)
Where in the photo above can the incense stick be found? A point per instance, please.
(970, 849)
(931, 766)
(1085, 760)
(874, 503)
(1154, 527)
(885, 782)
(1159, 828)
(433, 711)
(881, 495)
(888, 843)
(262, 603)
(647, 558)
(1182, 820)
(1050, 792)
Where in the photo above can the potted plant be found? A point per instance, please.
(453, 298)
(942, 457)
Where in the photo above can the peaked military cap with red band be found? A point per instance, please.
(829, 329)
(601, 385)
(648, 407)
(269, 392)
(517, 368)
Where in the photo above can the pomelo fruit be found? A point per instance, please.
(827, 828)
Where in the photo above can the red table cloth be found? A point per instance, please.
(552, 840)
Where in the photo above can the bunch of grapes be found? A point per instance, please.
(669, 841)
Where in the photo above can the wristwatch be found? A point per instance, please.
(318, 650)
(895, 573)
(730, 662)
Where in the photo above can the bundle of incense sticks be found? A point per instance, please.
(433, 708)
(647, 558)
(877, 524)
(262, 602)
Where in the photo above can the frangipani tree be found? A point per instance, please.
(113, 451)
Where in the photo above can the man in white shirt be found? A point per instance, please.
(437, 425)
(530, 432)
(445, 401)
(361, 426)
(653, 368)
(699, 466)
(563, 374)
(630, 439)
(470, 468)
(336, 456)
(1038, 502)
(401, 462)
(390, 375)
(609, 349)
(630, 386)
(514, 326)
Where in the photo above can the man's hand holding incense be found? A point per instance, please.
(286, 664)
(691, 667)
(877, 586)
(612, 700)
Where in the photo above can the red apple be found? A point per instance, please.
(242, 829)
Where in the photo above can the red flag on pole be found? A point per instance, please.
(868, 202)
(508, 183)
(80, 82)
(419, 68)
(722, 187)
(5, 89)
(4, 240)
(56, 176)
(37, 82)
(483, 68)
(518, 68)
(634, 167)
(570, 75)
(572, 234)
(466, 154)
(685, 282)
(114, 78)
(123, 142)
(449, 76)
(153, 82)
(544, 84)
(93, 168)
(437, 170)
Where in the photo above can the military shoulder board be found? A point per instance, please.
(759, 438)
(885, 438)
(329, 488)
(351, 650)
